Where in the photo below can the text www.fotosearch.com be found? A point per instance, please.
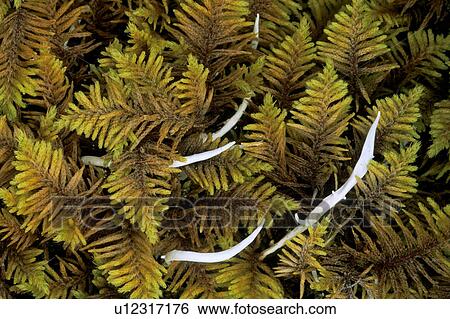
(247, 309)
(243, 308)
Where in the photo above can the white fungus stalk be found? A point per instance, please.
(99, 162)
(95, 161)
(231, 122)
(331, 200)
(192, 256)
(255, 42)
(202, 156)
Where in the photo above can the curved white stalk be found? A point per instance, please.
(95, 161)
(99, 162)
(331, 200)
(202, 156)
(255, 42)
(232, 121)
(185, 255)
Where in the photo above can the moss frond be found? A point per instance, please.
(267, 137)
(287, 65)
(424, 56)
(248, 277)
(356, 44)
(316, 131)
(126, 259)
(387, 182)
(399, 113)
(299, 259)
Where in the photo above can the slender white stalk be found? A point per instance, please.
(185, 255)
(232, 121)
(202, 156)
(95, 161)
(331, 200)
(255, 42)
(99, 162)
